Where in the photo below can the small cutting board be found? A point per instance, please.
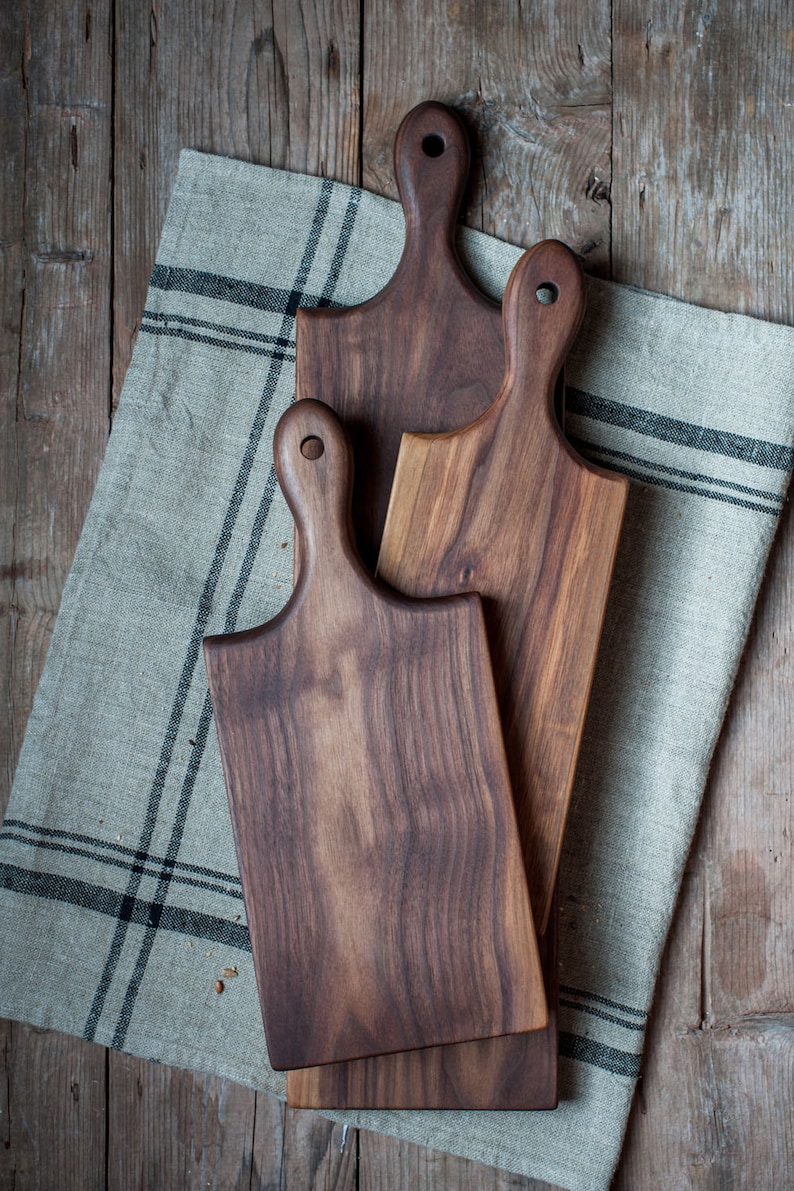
(506, 507)
(370, 800)
(427, 352)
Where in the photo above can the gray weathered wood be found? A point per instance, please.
(318, 1155)
(702, 158)
(277, 84)
(533, 82)
(56, 85)
(56, 1105)
(387, 1163)
(180, 1129)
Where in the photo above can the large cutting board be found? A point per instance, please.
(381, 866)
(426, 353)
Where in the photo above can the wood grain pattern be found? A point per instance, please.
(55, 1134)
(506, 507)
(702, 200)
(449, 373)
(372, 811)
(518, 1071)
(484, 507)
(216, 1149)
(389, 1164)
(704, 109)
(55, 249)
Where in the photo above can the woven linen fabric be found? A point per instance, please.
(120, 891)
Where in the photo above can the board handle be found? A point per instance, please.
(313, 459)
(542, 311)
(431, 163)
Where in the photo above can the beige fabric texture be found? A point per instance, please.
(120, 896)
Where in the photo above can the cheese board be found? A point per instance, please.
(382, 872)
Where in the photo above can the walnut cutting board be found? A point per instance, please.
(426, 353)
(506, 507)
(370, 799)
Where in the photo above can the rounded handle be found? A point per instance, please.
(431, 161)
(542, 310)
(314, 464)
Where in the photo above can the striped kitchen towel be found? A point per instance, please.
(120, 895)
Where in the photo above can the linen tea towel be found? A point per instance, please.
(120, 896)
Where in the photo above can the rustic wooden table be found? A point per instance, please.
(656, 139)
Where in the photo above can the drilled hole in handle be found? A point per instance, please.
(547, 293)
(312, 447)
(433, 145)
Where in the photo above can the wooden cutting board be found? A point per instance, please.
(506, 507)
(427, 352)
(370, 800)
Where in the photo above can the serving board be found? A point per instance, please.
(370, 799)
(430, 345)
(427, 351)
(506, 507)
(518, 1071)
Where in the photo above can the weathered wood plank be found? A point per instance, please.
(172, 1128)
(714, 1106)
(703, 180)
(701, 191)
(12, 281)
(56, 80)
(56, 1098)
(386, 1163)
(318, 1155)
(7, 1171)
(533, 81)
(267, 1153)
(276, 84)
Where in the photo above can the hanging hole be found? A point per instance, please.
(433, 145)
(312, 447)
(547, 293)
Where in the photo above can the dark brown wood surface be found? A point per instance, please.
(656, 139)
(426, 352)
(373, 817)
(518, 1071)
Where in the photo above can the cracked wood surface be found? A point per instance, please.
(683, 114)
